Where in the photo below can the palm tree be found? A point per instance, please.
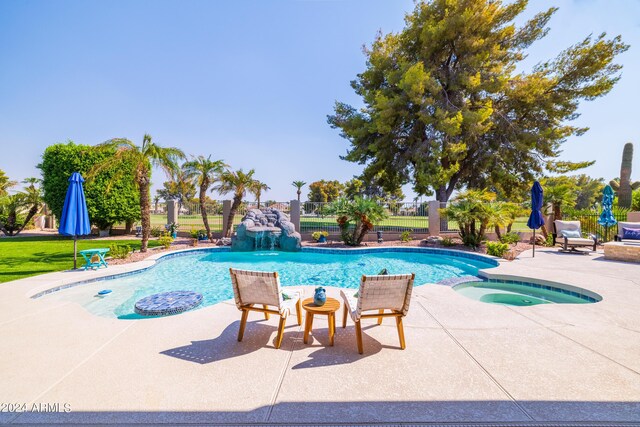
(204, 172)
(257, 188)
(156, 200)
(239, 183)
(5, 183)
(299, 185)
(141, 158)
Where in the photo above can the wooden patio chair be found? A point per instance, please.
(387, 292)
(257, 291)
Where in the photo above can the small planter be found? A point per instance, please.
(104, 232)
(194, 242)
(322, 239)
(174, 234)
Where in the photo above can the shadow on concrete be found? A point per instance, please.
(444, 413)
(257, 336)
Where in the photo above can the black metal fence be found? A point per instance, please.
(589, 223)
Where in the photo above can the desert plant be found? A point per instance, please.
(156, 232)
(510, 238)
(356, 218)
(405, 236)
(623, 185)
(549, 241)
(165, 240)
(195, 234)
(119, 251)
(448, 242)
(497, 248)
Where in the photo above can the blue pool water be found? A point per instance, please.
(208, 273)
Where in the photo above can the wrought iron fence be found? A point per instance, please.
(402, 216)
(589, 223)
(190, 216)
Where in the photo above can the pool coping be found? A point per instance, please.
(153, 260)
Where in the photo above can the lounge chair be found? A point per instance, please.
(629, 226)
(387, 292)
(256, 291)
(569, 236)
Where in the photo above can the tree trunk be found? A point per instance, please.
(127, 227)
(232, 213)
(497, 230)
(145, 214)
(441, 194)
(203, 210)
(299, 192)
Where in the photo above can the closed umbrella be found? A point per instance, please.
(74, 220)
(606, 217)
(535, 219)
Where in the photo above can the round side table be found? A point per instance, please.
(328, 309)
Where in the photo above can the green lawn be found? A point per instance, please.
(314, 223)
(22, 257)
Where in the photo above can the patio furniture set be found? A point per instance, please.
(384, 295)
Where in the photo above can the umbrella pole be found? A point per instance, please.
(534, 243)
(75, 251)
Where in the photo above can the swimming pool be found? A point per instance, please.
(207, 272)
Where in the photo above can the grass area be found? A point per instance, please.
(22, 257)
(314, 223)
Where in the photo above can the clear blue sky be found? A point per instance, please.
(250, 82)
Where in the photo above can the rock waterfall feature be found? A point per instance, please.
(266, 229)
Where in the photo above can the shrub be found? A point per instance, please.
(194, 233)
(316, 234)
(497, 248)
(119, 251)
(510, 237)
(635, 201)
(156, 232)
(112, 196)
(448, 241)
(405, 236)
(356, 218)
(549, 241)
(165, 240)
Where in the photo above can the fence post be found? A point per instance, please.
(294, 214)
(226, 208)
(434, 218)
(633, 216)
(172, 211)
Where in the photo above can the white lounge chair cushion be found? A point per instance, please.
(578, 241)
(288, 305)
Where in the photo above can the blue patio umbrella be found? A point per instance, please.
(606, 217)
(75, 218)
(535, 218)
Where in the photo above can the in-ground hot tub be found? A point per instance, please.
(518, 293)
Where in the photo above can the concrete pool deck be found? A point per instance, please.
(465, 362)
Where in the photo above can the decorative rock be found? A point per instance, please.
(225, 241)
(433, 239)
(166, 303)
(267, 228)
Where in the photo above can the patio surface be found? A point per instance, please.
(465, 362)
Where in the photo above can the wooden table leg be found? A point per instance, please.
(332, 327)
(308, 323)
